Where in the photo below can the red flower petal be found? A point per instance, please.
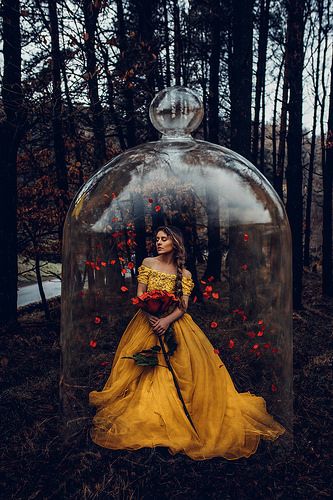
(274, 388)
(246, 237)
(213, 324)
(93, 343)
(195, 298)
(244, 267)
(103, 264)
(130, 265)
(209, 288)
(216, 351)
(104, 363)
(215, 295)
(260, 333)
(203, 282)
(150, 200)
(97, 320)
(123, 271)
(210, 279)
(157, 208)
(124, 288)
(255, 346)
(231, 343)
(135, 300)
(114, 195)
(267, 346)
(251, 335)
(112, 262)
(121, 259)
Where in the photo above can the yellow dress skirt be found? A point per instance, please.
(139, 406)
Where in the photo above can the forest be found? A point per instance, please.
(77, 79)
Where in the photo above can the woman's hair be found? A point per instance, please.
(179, 256)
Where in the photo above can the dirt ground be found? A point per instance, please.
(36, 463)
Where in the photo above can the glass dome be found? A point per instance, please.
(238, 246)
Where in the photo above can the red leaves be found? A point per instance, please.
(214, 324)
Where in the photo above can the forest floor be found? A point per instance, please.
(36, 463)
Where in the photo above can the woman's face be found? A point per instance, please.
(164, 243)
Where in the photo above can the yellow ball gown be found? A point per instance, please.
(139, 405)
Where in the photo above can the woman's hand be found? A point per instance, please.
(152, 319)
(160, 326)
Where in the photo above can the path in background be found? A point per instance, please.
(30, 294)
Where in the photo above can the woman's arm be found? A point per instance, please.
(162, 324)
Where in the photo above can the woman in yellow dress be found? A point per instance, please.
(139, 406)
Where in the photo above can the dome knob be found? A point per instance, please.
(176, 111)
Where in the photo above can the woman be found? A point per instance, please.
(139, 406)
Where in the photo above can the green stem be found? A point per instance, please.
(176, 382)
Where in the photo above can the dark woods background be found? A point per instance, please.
(77, 80)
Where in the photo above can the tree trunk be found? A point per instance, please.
(327, 283)
(58, 140)
(128, 90)
(177, 43)
(11, 129)
(294, 174)
(313, 143)
(167, 45)
(214, 68)
(91, 11)
(283, 133)
(260, 74)
(241, 76)
(274, 140)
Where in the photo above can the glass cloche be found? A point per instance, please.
(238, 250)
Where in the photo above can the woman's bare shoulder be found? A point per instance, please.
(148, 262)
